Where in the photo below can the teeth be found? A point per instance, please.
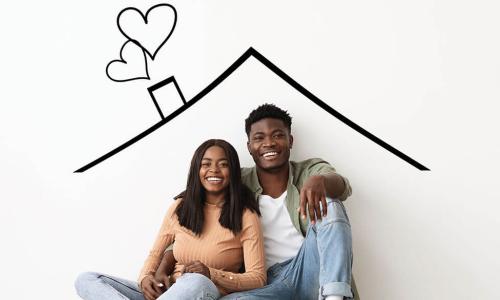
(270, 154)
(215, 179)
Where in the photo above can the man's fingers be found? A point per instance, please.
(166, 282)
(147, 295)
(188, 268)
(149, 292)
(324, 205)
(302, 207)
(310, 206)
(194, 268)
(157, 286)
(317, 206)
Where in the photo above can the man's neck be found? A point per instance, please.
(273, 182)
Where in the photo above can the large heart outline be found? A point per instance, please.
(137, 40)
(123, 60)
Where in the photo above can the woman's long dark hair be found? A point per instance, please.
(237, 195)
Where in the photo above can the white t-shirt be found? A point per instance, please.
(281, 239)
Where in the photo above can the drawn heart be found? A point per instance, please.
(132, 64)
(151, 31)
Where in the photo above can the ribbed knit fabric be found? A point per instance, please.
(217, 247)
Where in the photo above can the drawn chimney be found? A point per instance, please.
(165, 95)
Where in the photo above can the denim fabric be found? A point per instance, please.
(97, 286)
(321, 268)
(190, 286)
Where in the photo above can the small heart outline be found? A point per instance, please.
(122, 60)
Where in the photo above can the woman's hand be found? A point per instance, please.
(152, 288)
(197, 267)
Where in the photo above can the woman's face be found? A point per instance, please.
(214, 170)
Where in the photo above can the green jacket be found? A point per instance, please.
(298, 173)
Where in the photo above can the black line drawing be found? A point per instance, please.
(148, 32)
(251, 52)
(144, 42)
(161, 84)
(120, 66)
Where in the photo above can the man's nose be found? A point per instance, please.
(269, 142)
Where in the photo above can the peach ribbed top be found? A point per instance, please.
(217, 247)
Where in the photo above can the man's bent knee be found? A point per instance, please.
(335, 212)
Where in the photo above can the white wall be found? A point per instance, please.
(422, 75)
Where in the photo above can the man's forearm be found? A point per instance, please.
(167, 263)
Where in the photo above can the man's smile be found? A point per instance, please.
(270, 155)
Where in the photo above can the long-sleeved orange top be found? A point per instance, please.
(217, 247)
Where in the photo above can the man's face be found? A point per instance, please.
(269, 143)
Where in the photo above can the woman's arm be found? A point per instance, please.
(253, 255)
(164, 238)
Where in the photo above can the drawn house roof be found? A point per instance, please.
(242, 59)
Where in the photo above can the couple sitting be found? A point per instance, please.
(216, 225)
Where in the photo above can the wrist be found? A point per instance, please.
(141, 281)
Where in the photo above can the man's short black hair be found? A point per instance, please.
(268, 111)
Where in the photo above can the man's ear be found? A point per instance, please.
(291, 141)
(248, 147)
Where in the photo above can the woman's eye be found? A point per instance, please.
(206, 165)
(223, 165)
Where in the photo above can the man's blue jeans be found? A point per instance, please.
(321, 268)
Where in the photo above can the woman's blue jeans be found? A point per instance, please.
(321, 268)
(190, 286)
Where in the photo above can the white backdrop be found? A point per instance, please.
(422, 75)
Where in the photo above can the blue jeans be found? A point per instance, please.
(190, 286)
(321, 268)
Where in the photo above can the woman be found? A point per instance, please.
(214, 226)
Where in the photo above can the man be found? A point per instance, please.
(307, 235)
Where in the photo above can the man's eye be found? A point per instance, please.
(279, 135)
(257, 138)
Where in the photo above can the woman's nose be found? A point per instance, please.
(214, 169)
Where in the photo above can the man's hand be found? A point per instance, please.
(313, 193)
(152, 288)
(197, 267)
(158, 283)
(162, 277)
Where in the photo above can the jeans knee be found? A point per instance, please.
(192, 286)
(194, 279)
(335, 212)
(83, 281)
